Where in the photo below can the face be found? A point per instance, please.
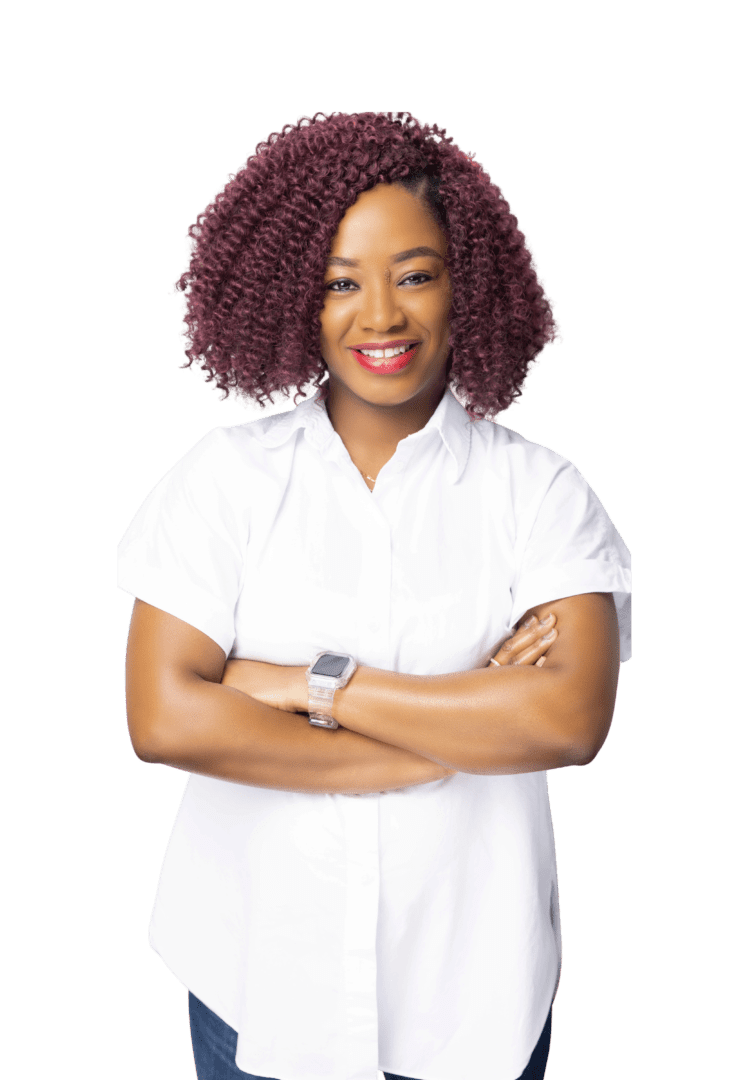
(387, 288)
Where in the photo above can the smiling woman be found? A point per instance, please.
(257, 279)
(378, 593)
(393, 305)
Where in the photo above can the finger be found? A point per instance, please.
(531, 631)
(537, 649)
(518, 641)
(540, 663)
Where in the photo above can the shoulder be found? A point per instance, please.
(528, 465)
(219, 478)
(236, 450)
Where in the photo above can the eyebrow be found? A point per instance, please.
(402, 256)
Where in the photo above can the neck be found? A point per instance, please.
(372, 432)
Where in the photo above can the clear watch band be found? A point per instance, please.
(321, 706)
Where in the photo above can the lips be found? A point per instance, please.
(388, 364)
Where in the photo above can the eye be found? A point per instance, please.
(341, 285)
(344, 285)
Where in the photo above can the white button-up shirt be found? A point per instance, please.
(414, 931)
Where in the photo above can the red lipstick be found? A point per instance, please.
(390, 364)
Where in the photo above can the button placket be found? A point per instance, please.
(361, 825)
(374, 620)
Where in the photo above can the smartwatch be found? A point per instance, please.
(327, 673)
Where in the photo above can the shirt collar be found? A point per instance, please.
(449, 419)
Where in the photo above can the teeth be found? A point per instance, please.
(383, 354)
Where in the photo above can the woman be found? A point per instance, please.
(322, 598)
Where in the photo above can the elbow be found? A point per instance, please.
(147, 738)
(581, 754)
(579, 715)
(145, 752)
(587, 735)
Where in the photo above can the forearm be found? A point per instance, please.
(218, 731)
(487, 720)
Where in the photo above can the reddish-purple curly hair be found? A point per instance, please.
(255, 286)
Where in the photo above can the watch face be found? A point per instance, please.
(330, 664)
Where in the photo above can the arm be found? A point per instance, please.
(502, 720)
(179, 714)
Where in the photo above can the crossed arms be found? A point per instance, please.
(396, 730)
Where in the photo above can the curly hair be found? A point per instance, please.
(255, 283)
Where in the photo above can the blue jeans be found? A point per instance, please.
(214, 1044)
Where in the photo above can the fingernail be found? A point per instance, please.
(529, 622)
(547, 620)
(549, 636)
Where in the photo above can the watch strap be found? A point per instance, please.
(321, 699)
(321, 706)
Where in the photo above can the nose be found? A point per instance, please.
(381, 308)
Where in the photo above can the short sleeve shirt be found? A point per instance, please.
(414, 931)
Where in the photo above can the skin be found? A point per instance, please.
(181, 713)
(380, 299)
(245, 721)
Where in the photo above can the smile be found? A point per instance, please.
(386, 360)
(379, 354)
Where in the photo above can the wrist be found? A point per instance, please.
(327, 674)
(298, 689)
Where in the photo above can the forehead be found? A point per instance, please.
(385, 220)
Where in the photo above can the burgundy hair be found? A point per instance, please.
(255, 283)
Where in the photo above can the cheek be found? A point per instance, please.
(327, 328)
(441, 318)
(440, 308)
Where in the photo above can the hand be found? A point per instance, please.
(529, 644)
(278, 685)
